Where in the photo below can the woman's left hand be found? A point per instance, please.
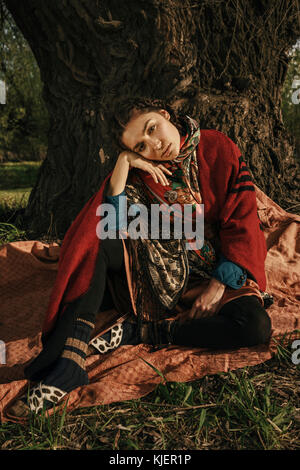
(207, 303)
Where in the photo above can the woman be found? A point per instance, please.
(202, 297)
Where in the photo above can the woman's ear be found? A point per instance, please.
(165, 114)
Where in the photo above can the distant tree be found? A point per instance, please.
(24, 118)
(222, 62)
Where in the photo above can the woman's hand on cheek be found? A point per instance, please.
(207, 303)
(157, 171)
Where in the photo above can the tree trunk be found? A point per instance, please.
(224, 63)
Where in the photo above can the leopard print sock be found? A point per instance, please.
(122, 333)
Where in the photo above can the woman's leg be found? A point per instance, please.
(68, 372)
(242, 322)
(110, 257)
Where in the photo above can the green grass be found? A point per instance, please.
(16, 181)
(11, 202)
(10, 233)
(14, 198)
(18, 175)
(254, 408)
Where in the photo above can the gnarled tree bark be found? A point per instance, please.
(224, 63)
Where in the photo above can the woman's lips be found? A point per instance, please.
(167, 152)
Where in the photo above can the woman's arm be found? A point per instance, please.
(227, 179)
(119, 176)
(129, 159)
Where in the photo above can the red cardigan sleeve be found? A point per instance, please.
(241, 236)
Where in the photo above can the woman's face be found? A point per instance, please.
(152, 135)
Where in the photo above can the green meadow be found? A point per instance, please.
(16, 182)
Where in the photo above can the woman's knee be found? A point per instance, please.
(259, 322)
(260, 326)
(252, 321)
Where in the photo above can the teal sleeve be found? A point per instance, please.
(229, 273)
(116, 202)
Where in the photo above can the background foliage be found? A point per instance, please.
(24, 118)
(291, 110)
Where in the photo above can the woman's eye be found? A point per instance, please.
(151, 129)
(141, 147)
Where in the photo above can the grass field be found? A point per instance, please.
(16, 181)
(254, 408)
(20, 175)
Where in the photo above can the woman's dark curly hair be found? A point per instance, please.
(124, 110)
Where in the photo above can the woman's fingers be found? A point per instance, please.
(199, 310)
(195, 309)
(158, 175)
(164, 170)
(162, 167)
(156, 171)
(162, 176)
(152, 172)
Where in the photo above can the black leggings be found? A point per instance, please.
(241, 322)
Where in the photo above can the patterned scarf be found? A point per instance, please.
(160, 267)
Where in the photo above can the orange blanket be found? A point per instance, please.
(28, 271)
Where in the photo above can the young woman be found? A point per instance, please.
(210, 297)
